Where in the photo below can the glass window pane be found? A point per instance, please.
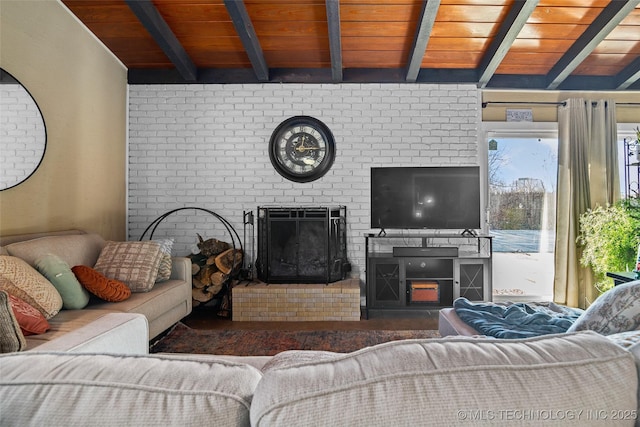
(522, 196)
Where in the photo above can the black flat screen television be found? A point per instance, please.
(425, 197)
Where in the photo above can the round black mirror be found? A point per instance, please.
(23, 135)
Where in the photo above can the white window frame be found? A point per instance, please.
(627, 130)
(490, 130)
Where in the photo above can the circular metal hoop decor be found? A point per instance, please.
(232, 232)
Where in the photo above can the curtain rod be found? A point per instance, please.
(486, 103)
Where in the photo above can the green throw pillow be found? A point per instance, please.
(74, 296)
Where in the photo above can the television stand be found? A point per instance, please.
(414, 274)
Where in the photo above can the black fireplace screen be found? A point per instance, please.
(301, 245)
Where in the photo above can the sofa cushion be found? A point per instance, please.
(21, 280)
(11, 337)
(107, 289)
(449, 381)
(57, 271)
(288, 358)
(31, 321)
(164, 270)
(74, 249)
(64, 322)
(616, 310)
(164, 305)
(134, 263)
(112, 333)
(124, 390)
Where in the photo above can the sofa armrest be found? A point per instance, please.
(181, 269)
(117, 333)
(450, 324)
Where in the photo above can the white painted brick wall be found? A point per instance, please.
(207, 146)
(22, 135)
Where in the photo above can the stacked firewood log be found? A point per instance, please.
(213, 269)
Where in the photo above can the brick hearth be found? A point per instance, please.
(258, 301)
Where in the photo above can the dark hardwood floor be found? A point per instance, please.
(205, 318)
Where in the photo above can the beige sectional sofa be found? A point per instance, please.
(576, 379)
(103, 325)
(98, 377)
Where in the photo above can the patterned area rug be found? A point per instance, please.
(183, 339)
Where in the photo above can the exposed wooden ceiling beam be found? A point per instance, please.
(629, 75)
(539, 82)
(604, 23)
(447, 75)
(509, 30)
(421, 39)
(335, 44)
(244, 28)
(301, 75)
(166, 39)
(526, 82)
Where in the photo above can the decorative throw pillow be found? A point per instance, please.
(31, 321)
(134, 263)
(164, 271)
(107, 289)
(24, 282)
(11, 338)
(617, 310)
(74, 296)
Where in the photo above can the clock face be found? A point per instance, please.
(302, 149)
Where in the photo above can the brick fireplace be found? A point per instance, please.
(301, 265)
(257, 301)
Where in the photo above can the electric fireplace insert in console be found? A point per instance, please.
(302, 244)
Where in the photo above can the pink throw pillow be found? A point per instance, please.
(31, 321)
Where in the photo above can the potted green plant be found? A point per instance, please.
(609, 237)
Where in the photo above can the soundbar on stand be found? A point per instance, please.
(429, 251)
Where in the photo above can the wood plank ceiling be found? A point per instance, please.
(532, 44)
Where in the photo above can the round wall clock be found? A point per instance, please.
(302, 149)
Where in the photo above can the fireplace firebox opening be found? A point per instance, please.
(302, 244)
